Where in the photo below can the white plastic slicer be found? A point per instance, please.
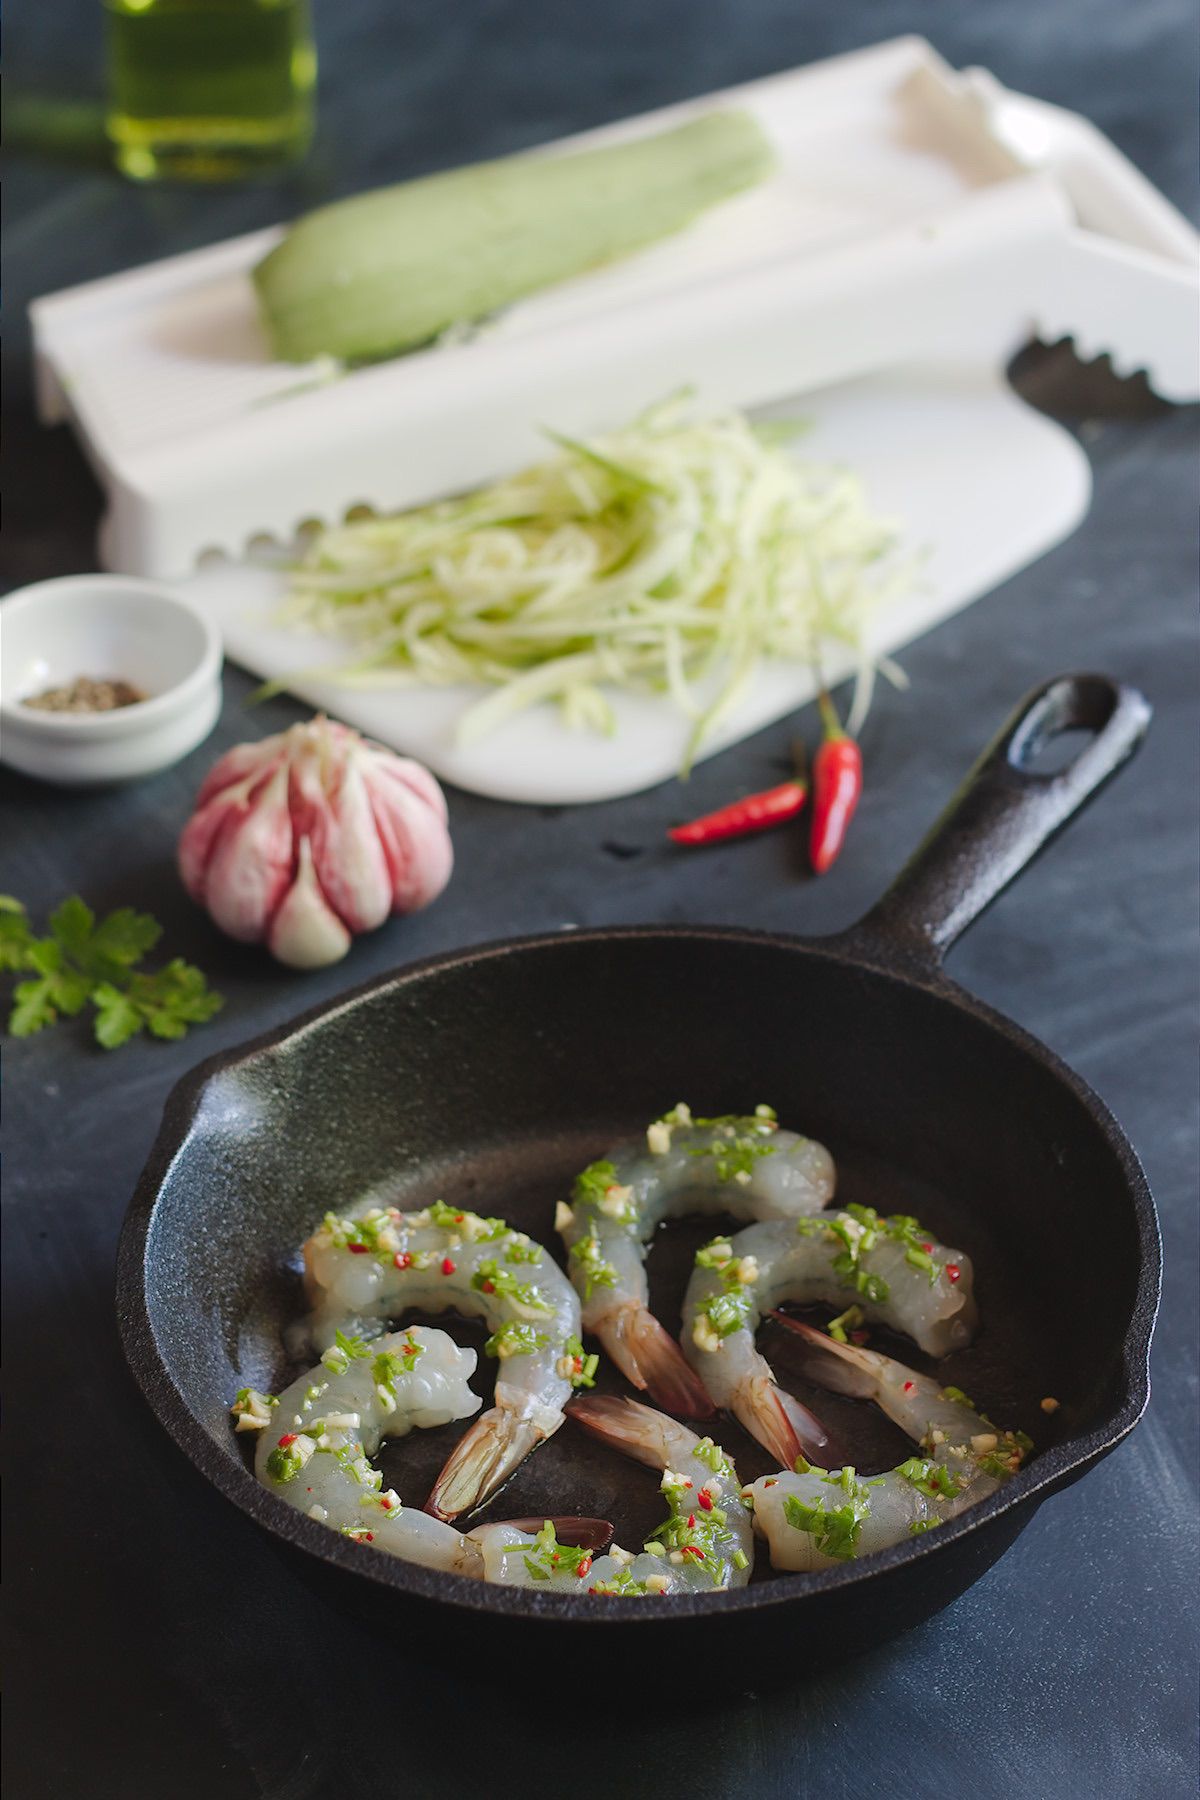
(917, 213)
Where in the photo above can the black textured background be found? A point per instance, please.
(156, 1645)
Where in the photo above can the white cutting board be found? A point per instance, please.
(980, 484)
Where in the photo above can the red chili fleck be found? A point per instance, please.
(447, 1266)
(458, 1218)
(909, 1387)
(953, 1272)
(837, 784)
(691, 1521)
(489, 1287)
(584, 1566)
(288, 1438)
(578, 1362)
(706, 1499)
(370, 1537)
(927, 1247)
(357, 1249)
(859, 1337)
(773, 1482)
(403, 1259)
(386, 1504)
(691, 1550)
(593, 1590)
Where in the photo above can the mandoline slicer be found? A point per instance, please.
(917, 214)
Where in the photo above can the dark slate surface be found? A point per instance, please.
(157, 1646)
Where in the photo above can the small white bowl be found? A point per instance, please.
(107, 627)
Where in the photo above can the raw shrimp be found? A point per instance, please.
(707, 1538)
(817, 1518)
(378, 1263)
(890, 1269)
(746, 1167)
(334, 1418)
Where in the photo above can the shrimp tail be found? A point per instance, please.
(778, 1421)
(483, 1459)
(582, 1533)
(627, 1425)
(842, 1368)
(648, 1356)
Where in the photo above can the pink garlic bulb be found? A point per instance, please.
(307, 838)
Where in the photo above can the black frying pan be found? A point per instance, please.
(492, 1075)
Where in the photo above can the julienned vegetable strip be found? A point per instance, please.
(756, 812)
(837, 784)
(675, 556)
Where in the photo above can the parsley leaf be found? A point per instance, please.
(16, 939)
(82, 961)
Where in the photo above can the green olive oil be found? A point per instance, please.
(208, 90)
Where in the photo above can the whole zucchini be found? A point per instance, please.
(385, 271)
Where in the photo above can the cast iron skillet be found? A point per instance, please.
(491, 1075)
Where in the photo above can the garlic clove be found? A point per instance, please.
(347, 855)
(237, 764)
(200, 834)
(409, 774)
(250, 866)
(305, 932)
(414, 839)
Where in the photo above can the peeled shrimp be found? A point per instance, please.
(378, 1263)
(746, 1167)
(820, 1517)
(333, 1420)
(890, 1269)
(707, 1539)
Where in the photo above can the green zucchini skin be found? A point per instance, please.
(386, 271)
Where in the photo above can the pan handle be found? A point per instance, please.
(1004, 813)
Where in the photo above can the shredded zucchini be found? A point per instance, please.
(676, 555)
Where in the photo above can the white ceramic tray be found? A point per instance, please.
(916, 212)
(982, 484)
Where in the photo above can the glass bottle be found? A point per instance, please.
(208, 90)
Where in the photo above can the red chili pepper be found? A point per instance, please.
(705, 1500)
(583, 1568)
(909, 1387)
(952, 1271)
(403, 1259)
(927, 1248)
(753, 813)
(489, 1287)
(691, 1521)
(837, 784)
(447, 1266)
(357, 1249)
(287, 1440)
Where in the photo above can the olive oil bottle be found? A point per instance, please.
(208, 90)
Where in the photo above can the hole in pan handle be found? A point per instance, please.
(1004, 812)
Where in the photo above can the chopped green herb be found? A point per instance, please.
(584, 1375)
(490, 1278)
(920, 1525)
(736, 1144)
(956, 1393)
(342, 1352)
(836, 1530)
(714, 1458)
(593, 1183)
(850, 1320)
(546, 1556)
(522, 1250)
(933, 1479)
(515, 1338)
(597, 1272)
